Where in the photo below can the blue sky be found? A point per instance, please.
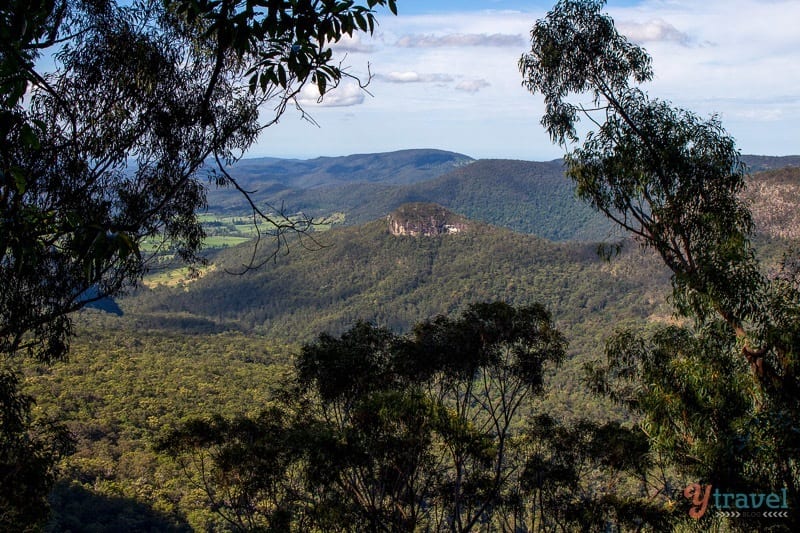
(445, 76)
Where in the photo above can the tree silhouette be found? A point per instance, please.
(143, 104)
(719, 395)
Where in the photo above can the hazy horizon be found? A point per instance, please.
(310, 158)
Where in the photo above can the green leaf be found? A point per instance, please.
(282, 78)
(361, 22)
(322, 84)
(20, 182)
(29, 137)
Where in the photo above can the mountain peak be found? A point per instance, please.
(426, 220)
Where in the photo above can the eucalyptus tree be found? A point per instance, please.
(673, 181)
(485, 368)
(431, 422)
(115, 118)
(420, 432)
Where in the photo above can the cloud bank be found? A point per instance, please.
(654, 31)
(460, 39)
(352, 44)
(414, 77)
(472, 86)
(345, 95)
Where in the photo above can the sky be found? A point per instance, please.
(445, 76)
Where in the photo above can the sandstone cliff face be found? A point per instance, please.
(426, 220)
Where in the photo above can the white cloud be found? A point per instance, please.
(653, 31)
(352, 44)
(460, 39)
(414, 77)
(472, 86)
(346, 94)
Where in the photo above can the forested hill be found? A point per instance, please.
(366, 272)
(525, 196)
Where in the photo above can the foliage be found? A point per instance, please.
(696, 407)
(107, 148)
(663, 174)
(244, 466)
(122, 388)
(720, 396)
(110, 146)
(29, 453)
(424, 432)
(131, 377)
(411, 432)
(591, 477)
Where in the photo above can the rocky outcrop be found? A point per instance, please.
(425, 220)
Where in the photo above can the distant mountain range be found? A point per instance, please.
(525, 196)
(272, 179)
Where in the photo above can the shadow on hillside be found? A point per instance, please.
(74, 509)
(184, 323)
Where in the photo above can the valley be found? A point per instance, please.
(224, 343)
